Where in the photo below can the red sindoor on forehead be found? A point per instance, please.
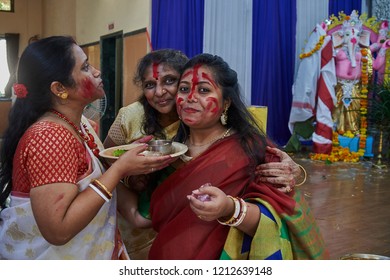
(195, 80)
(155, 71)
(186, 74)
(207, 77)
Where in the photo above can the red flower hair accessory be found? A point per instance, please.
(20, 90)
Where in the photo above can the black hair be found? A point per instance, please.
(252, 138)
(41, 63)
(174, 59)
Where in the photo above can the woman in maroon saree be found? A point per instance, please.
(197, 210)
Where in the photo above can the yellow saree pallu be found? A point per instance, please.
(126, 129)
(299, 236)
(127, 126)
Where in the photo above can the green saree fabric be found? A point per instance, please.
(284, 237)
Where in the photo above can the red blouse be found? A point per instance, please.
(48, 153)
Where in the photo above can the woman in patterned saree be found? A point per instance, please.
(57, 201)
(209, 205)
(155, 114)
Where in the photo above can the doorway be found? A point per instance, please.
(111, 68)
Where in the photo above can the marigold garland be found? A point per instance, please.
(339, 154)
(316, 48)
(387, 66)
(363, 101)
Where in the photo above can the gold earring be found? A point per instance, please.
(224, 116)
(63, 95)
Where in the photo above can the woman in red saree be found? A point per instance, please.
(210, 206)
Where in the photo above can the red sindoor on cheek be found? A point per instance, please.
(212, 105)
(180, 100)
(179, 107)
(88, 88)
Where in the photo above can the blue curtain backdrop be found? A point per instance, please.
(336, 6)
(273, 52)
(178, 24)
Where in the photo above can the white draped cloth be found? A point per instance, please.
(311, 98)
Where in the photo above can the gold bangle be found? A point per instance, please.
(304, 173)
(236, 212)
(102, 186)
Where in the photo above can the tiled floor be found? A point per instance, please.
(351, 202)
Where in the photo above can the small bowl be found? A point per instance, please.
(363, 257)
(162, 147)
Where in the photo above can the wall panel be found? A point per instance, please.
(135, 46)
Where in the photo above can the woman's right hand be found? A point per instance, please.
(133, 162)
(216, 204)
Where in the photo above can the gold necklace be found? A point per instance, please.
(212, 140)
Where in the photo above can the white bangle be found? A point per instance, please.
(237, 208)
(99, 192)
(243, 213)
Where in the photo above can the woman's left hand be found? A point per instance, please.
(281, 173)
(210, 203)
